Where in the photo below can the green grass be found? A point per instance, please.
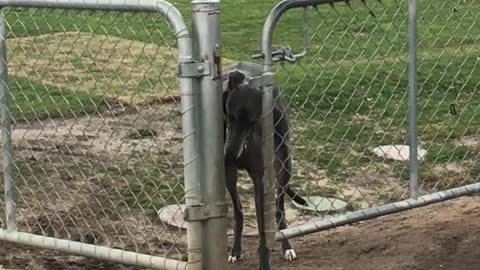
(348, 94)
(149, 188)
(132, 187)
(32, 101)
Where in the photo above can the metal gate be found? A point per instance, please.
(341, 38)
(95, 153)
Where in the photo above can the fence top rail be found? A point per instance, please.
(290, 4)
(163, 7)
(275, 15)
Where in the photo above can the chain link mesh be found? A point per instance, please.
(348, 101)
(449, 92)
(97, 128)
(97, 131)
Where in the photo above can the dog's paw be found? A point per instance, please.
(234, 259)
(290, 255)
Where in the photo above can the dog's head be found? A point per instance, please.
(242, 108)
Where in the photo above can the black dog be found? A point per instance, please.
(242, 107)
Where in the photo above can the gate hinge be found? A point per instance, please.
(193, 69)
(204, 212)
(261, 81)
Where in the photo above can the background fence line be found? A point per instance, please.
(412, 97)
(8, 168)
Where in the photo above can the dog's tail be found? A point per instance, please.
(295, 197)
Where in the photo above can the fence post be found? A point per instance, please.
(412, 97)
(207, 50)
(269, 179)
(8, 165)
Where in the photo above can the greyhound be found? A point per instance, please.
(242, 108)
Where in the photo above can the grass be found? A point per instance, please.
(348, 95)
(149, 188)
(32, 101)
(130, 186)
(142, 133)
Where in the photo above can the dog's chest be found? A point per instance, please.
(250, 158)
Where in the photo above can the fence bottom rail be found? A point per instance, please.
(93, 251)
(374, 212)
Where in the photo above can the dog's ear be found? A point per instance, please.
(235, 78)
(225, 97)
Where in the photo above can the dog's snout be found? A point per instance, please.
(235, 143)
(228, 153)
(231, 153)
(229, 156)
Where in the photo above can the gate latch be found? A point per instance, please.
(193, 69)
(261, 81)
(205, 212)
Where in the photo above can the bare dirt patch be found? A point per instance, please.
(89, 179)
(442, 236)
(120, 135)
(470, 141)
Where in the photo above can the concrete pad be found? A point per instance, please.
(322, 204)
(397, 152)
(173, 215)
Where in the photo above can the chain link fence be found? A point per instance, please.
(97, 128)
(449, 91)
(348, 97)
(97, 131)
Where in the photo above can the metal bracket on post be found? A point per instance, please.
(261, 81)
(204, 212)
(193, 69)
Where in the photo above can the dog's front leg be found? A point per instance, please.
(263, 250)
(231, 183)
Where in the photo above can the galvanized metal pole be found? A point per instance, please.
(207, 50)
(269, 179)
(191, 166)
(268, 138)
(412, 97)
(8, 163)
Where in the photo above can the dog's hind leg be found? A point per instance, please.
(283, 168)
(231, 183)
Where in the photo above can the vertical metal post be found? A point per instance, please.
(206, 40)
(190, 155)
(8, 165)
(412, 97)
(268, 131)
(269, 179)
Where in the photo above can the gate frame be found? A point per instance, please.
(326, 223)
(200, 96)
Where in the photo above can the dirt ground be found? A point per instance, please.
(441, 236)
